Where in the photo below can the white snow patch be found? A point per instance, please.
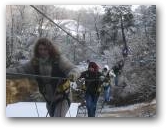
(26, 109)
(29, 109)
(72, 112)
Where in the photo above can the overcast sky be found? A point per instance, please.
(77, 7)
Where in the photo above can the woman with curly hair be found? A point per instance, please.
(48, 61)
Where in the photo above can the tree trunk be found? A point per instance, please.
(125, 49)
(123, 34)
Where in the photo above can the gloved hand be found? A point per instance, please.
(72, 77)
(112, 74)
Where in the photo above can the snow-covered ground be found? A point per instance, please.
(35, 109)
(26, 109)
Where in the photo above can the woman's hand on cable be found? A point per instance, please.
(72, 77)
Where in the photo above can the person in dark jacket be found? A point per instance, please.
(117, 70)
(93, 87)
(48, 61)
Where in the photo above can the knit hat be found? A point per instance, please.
(94, 66)
(107, 67)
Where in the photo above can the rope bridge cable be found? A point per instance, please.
(54, 22)
(80, 42)
(18, 75)
(37, 109)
